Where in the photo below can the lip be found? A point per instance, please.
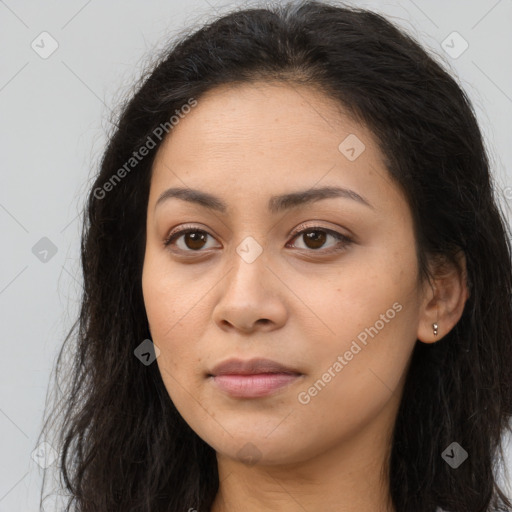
(253, 378)
(250, 367)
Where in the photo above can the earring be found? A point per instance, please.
(434, 325)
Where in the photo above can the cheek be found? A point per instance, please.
(376, 291)
(354, 381)
(166, 299)
(373, 319)
(164, 309)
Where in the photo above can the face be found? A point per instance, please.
(326, 286)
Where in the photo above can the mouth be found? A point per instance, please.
(254, 378)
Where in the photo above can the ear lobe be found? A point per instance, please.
(444, 299)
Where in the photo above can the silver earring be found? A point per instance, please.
(434, 327)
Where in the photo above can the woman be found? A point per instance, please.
(297, 281)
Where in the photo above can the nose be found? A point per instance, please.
(251, 297)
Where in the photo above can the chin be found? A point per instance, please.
(256, 447)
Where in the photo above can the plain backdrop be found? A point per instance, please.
(55, 112)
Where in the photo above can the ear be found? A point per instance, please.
(444, 298)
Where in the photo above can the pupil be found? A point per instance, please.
(194, 237)
(316, 237)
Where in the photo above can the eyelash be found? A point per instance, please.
(344, 240)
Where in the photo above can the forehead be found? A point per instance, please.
(243, 141)
(267, 116)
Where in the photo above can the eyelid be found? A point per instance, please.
(183, 230)
(315, 225)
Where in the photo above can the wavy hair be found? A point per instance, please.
(123, 445)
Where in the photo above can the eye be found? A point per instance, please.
(315, 237)
(195, 239)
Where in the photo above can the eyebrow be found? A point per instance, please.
(276, 204)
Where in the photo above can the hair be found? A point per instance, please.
(124, 445)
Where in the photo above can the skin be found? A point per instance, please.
(294, 303)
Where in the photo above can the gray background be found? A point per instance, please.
(55, 113)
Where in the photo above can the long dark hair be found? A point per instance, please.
(123, 445)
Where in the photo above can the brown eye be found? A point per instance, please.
(193, 240)
(314, 238)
